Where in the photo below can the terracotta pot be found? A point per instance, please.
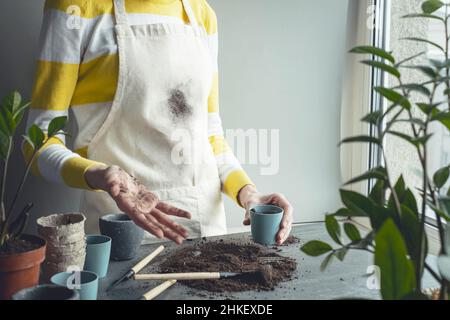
(20, 271)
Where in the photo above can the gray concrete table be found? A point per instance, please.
(346, 279)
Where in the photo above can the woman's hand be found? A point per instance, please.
(249, 197)
(141, 205)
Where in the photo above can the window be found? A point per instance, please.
(401, 156)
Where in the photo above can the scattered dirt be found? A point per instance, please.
(291, 240)
(17, 246)
(217, 256)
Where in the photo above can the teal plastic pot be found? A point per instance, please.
(98, 250)
(85, 282)
(265, 223)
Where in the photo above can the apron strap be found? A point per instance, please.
(190, 12)
(121, 14)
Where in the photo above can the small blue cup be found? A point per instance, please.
(98, 250)
(265, 223)
(86, 282)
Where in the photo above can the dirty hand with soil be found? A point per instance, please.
(141, 205)
(249, 197)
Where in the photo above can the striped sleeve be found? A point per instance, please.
(55, 81)
(232, 176)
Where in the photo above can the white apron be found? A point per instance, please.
(157, 127)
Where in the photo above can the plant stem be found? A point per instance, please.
(2, 192)
(447, 70)
(22, 183)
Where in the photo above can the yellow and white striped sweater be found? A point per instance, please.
(77, 71)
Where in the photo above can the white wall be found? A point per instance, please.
(281, 68)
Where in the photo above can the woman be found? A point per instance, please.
(141, 81)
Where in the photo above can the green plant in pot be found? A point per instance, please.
(20, 254)
(397, 237)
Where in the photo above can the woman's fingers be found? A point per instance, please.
(167, 233)
(286, 223)
(142, 221)
(173, 211)
(166, 221)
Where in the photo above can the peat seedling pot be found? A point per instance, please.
(66, 245)
(46, 292)
(125, 234)
(21, 270)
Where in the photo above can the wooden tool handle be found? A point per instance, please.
(141, 264)
(158, 290)
(178, 276)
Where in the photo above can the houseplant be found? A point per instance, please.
(20, 255)
(397, 237)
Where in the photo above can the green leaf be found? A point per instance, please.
(416, 121)
(400, 190)
(443, 118)
(444, 266)
(394, 96)
(345, 212)
(431, 6)
(391, 256)
(316, 248)
(357, 203)
(428, 71)
(410, 229)
(341, 253)
(439, 212)
(36, 136)
(375, 173)
(12, 102)
(441, 176)
(352, 232)
(10, 121)
(367, 139)
(28, 140)
(333, 228)
(373, 117)
(409, 200)
(423, 15)
(56, 125)
(427, 108)
(382, 66)
(374, 51)
(326, 262)
(4, 128)
(18, 114)
(415, 87)
(414, 141)
(415, 39)
(378, 192)
(5, 142)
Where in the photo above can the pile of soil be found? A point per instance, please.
(16, 246)
(219, 256)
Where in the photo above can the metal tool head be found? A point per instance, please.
(125, 277)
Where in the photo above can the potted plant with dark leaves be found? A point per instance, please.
(397, 237)
(20, 254)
